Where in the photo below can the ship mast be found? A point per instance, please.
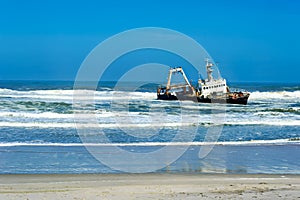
(209, 70)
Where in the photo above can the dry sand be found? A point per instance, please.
(149, 186)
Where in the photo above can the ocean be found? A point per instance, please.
(40, 131)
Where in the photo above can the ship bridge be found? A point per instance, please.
(210, 85)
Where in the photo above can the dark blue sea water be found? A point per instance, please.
(43, 129)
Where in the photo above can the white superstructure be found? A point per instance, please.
(210, 85)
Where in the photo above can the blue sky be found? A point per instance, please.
(253, 40)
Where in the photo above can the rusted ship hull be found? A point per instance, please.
(231, 98)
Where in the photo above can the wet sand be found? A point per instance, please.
(149, 186)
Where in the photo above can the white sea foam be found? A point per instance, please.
(52, 115)
(154, 114)
(90, 125)
(140, 125)
(68, 95)
(225, 143)
(44, 115)
(280, 95)
(266, 122)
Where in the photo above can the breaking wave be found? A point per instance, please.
(279, 95)
(144, 144)
(68, 94)
(143, 125)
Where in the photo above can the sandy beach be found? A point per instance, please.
(149, 186)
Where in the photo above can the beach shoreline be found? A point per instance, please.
(149, 186)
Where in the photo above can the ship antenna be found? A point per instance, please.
(209, 70)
